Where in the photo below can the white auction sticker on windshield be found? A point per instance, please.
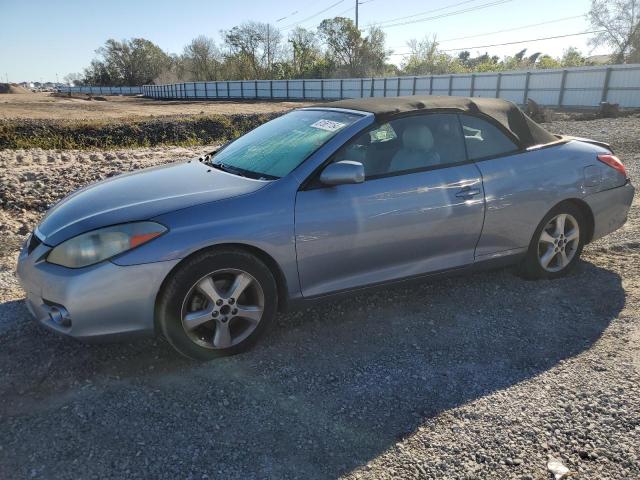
(328, 125)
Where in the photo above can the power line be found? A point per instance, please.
(506, 30)
(457, 12)
(344, 11)
(287, 16)
(450, 14)
(391, 20)
(513, 29)
(525, 41)
(513, 43)
(323, 11)
(312, 16)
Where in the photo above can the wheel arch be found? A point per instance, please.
(587, 212)
(268, 260)
(530, 267)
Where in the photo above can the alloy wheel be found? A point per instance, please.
(223, 308)
(558, 243)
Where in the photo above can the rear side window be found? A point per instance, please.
(484, 139)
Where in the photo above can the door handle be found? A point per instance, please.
(468, 192)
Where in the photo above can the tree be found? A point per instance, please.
(546, 61)
(343, 41)
(520, 61)
(201, 59)
(252, 49)
(634, 56)
(353, 55)
(73, 79)
(100, 73)
(373, 53)
(619, 25)
(481, 63)
(255, 50)
(572, 57)
(128, 62)
(174, 72)
(425, 59)
(489, 64)
(306, 53)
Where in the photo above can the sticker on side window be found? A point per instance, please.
(328, 125)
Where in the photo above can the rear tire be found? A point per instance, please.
(556, 244)
(217, 303)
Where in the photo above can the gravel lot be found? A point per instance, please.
(411, 383)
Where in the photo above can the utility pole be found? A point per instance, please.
(293, 42)
(269, 48)
(357, 3)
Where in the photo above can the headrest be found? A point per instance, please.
(417, 137)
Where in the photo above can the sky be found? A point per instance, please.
(45, 40)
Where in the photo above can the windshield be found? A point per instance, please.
(274, 149)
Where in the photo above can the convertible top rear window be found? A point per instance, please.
(274, 149)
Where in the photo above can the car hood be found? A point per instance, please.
(139, 196)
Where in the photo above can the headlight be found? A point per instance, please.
(98, 245)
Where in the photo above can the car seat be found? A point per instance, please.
(417, 150)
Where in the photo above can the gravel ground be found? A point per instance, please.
(492, 388)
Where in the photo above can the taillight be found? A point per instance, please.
(613, 162)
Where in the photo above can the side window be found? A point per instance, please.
(431, 140)
(406, 144)
(484, 139)
(372, 148)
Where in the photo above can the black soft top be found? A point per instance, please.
(505, 113)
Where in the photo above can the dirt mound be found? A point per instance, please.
(13, 88)
(79, 96)
(87, 134)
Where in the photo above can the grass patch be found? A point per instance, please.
(117, 133)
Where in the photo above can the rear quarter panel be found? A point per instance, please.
(520, 189)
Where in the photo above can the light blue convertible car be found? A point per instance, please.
(320, 201)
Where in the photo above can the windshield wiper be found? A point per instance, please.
(206, 158)
(226, 168)
(240, 171)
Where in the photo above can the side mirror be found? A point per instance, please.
(341, 173)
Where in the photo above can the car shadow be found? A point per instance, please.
(327, 390)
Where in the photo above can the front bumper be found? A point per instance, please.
(101, 302)
(610, 208)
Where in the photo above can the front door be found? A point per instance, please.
(419, 210)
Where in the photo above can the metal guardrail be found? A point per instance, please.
(570, 87)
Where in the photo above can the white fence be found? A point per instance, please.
(571, 87)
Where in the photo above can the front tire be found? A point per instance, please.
(556, 244)
(218, 303)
